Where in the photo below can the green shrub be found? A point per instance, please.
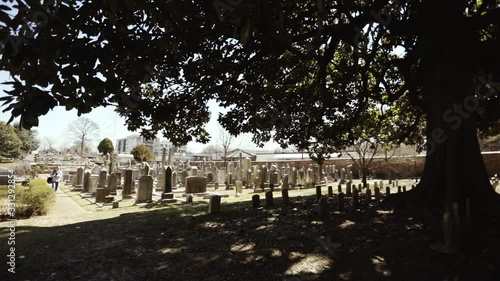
(34, 200)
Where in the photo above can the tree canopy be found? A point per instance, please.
(28, 138)
(105, 147)
(10, 144)
(141, 153)
(304, 73)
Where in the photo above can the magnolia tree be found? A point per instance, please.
(303, 73)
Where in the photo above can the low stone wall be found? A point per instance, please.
(406, 166)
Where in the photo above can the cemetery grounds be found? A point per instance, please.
(177, 241)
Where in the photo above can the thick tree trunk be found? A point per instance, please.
(454, 169)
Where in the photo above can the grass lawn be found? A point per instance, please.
(182, 242)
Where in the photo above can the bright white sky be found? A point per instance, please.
(112, 126)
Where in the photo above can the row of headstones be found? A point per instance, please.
(354, 193)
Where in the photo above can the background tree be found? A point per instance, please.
(105, 147)
(82, 131)
(224, 142)
(212, 150)
(10, 144)
(141, 153)
(28, 138)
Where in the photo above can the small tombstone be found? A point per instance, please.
(86, 182)
(360, 187)
(196, 184)
(93, 183)
(399, 189)
(214, 204)
(368, 195)
(256, 201)
(348, 190)
(330, 191)
(116, 204)
(285, 183)
(284, 195)
(239, 188)
(322, 210)
(216, 186)
(318, 192)
(100, 195)
(189, 198)
(167, 185)
(387, 190)
(269, 199)
(340, 202)
(355, 197)
(271, 186)
(145, 190)
(377, 193)
(404, 188)
(112, 179)
(128, 182)
(339, 189)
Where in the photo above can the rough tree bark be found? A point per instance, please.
(454, 169)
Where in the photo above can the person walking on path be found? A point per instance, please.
(56, 176)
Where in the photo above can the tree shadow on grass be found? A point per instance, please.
(291, 242)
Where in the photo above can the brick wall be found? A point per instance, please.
(400, 166)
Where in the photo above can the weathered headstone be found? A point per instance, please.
(238, 187)
(93, 183)
(103, 179)
(79, 179)
(368, 195)
(330, 191)
(355, 198)
(214, 204)
(269, 199)
(86, 182)
(100, 195)
(112, 184)
(255, 201)
(387, 190)
(145, 190)
(284, 196)
(340, 202)
(196, 184)
(167, 185)
(127, 184)
(377, 193)
(318, 192)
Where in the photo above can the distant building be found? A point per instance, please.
(125, 145)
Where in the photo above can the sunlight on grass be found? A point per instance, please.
(242, 247)
(211, 224)
(347, 224)
(312, 263)
(171, 250)
(380, 265)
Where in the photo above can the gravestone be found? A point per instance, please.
(255, 201)
(330, 191)
(284, 196)
(377, 193)
(342, 176)
(93, 183)
(318, 192)
(340, 202)
(214, 204)
(167, 185)
(387, 190)
(257, 184)
(196, 184)
(239, 188)
(160, 182)
(355, 197)
(285, 184)
(269, 199)
(127, 184)
(100, 195)
(368, 195)
(145, 190)
(112, 180)
(118, 180)
(79, 179)
(103, 178)
(86, 182)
